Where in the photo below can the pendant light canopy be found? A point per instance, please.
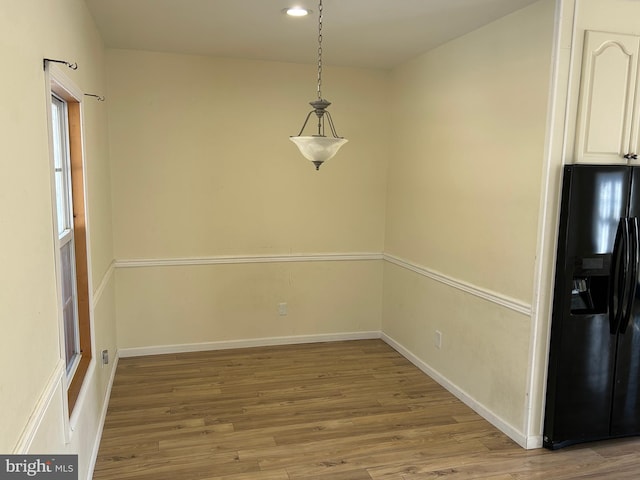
(318, 148)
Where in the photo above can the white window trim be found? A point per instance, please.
(66, 236)
(57, 82)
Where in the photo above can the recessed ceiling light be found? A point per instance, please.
(297, 11)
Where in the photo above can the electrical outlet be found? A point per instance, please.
(282, 309)
(105, 357)
(438, 339)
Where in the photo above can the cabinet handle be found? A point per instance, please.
(631, 156)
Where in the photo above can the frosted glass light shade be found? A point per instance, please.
(318, 149)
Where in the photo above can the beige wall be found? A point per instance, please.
(202, 164)
(29, 31)
(203, 168)
(470, 121)
(183, 305)
(463, 199)
(483, 355)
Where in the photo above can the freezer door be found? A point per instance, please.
(587, 300)
(583, 382)
(595, 198)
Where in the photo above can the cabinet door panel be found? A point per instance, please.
(607, 128)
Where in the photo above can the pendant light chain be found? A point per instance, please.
(320, 51)
(318, 147)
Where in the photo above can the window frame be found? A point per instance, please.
(65, 229)
(75, 385)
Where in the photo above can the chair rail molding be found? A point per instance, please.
(485, 294)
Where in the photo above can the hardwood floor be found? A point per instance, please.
(328, 411)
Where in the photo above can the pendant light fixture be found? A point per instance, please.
(318, 147)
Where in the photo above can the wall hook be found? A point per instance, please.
(72, 66)
(98, 97)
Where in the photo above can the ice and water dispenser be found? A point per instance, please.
(590, 287)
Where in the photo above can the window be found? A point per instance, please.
(70, 234)
(64, 211)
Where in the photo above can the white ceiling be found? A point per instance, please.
(359, 33)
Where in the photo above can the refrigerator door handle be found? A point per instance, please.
(618, 267)
(632, 275)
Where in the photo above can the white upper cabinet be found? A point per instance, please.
(609, 104)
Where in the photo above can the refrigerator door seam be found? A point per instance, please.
(618, 266)
(632, 274)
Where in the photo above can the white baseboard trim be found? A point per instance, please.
(512, 432)
(247, 343)
(103, 416)
(40, 409)
(534, 441)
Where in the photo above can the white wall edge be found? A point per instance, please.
(247, 343)
(103, 416)
(506, 428)
(103, 284)
(226, 260)
(35, 420)
(502, 300)
(555, 144)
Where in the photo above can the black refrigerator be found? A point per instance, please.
(593, 382)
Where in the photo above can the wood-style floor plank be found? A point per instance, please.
(328, 411)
